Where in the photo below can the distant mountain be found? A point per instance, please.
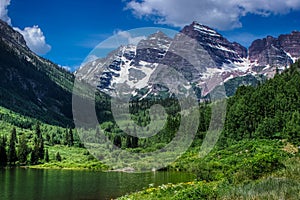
(30, 84)
(267, 53)
(203, 56)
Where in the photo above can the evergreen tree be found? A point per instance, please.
(47, 156)
(3, 155)
(34, 156)
(135, 142)
(128, 141)
(67, 137)
(58, 157)
(71, 138)
(12, 153)
(118, 141)
(14, 135)
(292, 129)
(23, 149)
(38, 130)
(41, 148)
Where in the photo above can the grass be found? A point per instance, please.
(72, 158)
(237, 181)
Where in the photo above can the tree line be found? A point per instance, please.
(29, 149)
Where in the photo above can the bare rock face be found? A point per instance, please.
(275, 52)
(268, 52)
(153, 48)
(219, 48)
(290, 43)
(11, 36)
(202, 55)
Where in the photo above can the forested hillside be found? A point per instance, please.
(257, 155)
(268, 111)
(31, 85)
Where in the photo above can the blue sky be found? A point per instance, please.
(68, 30)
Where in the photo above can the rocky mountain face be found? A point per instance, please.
(290, 43)
(219, 48)
(203, 57)
(269, 53)
(30, 84)
(11, 37)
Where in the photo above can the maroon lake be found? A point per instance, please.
(21, 184)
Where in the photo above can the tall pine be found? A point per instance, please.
(12, 153)
(23, 149)
(3, 155)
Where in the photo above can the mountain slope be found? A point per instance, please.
(30, 84)
(203, 56)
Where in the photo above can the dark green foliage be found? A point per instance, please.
(12, 153)
(38, 130)
(135, 142)
(21, 82)
(58, 157)
(34, 156)
(23, 149)
(47, 156)
(13, 136)
(71, 138)
(268, 111)
(3, 155)
(292, 128)
(41, 148)
(128, 142)
(118, 141)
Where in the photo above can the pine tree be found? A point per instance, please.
(128, 141)
(34, 156)
(41, 148)
(71, 138)
(23, 149)
(3, 155)
(46, 155)
(67, 137)
(14, 135)
(134, 140)
(38, 130)
(12, 153)
(118, 141)
(58, 157)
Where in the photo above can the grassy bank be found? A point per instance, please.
(71, 158)
(258, 169)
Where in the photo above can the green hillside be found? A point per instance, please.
(257, 156)
(38, 144)
(31, 85)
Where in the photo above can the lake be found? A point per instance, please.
(34, 184)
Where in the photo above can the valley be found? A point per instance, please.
(256, 155)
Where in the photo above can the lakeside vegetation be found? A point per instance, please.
(25, 141)
(256, 157)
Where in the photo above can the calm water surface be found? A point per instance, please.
(31, 184)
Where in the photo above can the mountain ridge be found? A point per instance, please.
(31, 85)
(202, 55)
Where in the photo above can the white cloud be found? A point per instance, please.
(4, 12)
(35, 39)
(218, 14)
(33, 36)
